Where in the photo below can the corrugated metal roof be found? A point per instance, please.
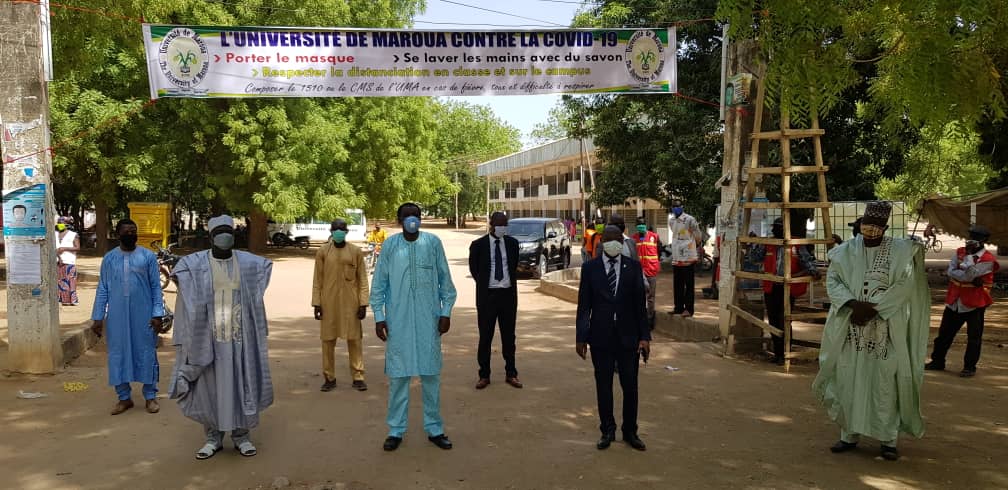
(549, 152)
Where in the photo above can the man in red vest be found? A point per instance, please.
(647, 250)
(772, 256)
(971, 276)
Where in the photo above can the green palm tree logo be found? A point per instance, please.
(646, 58)
(184, 60)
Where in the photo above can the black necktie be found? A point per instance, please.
(612, 276)
(498, 262)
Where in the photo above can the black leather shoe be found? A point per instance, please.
(967, 373)
(392, 443)
(605, 441)
(890, 453)
(634, 442)
(440, 441)
(934, 366)
(843, 447)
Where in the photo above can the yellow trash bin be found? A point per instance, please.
(153, 221)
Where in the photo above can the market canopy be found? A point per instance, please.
(193, 61)
(952, 214)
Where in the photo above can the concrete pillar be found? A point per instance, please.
(32, 309)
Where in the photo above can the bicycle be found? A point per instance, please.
(371, 252)
(935, 245)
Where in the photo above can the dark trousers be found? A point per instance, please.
(773, 302)
(951, 322)
(607, 360)
(682, 286)
(500, 306)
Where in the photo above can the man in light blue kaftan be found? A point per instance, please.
(871, 363)
(130, 304)
(412, 296)
(221, 377)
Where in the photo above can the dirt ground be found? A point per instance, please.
(708, 421)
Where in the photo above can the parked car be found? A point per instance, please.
(543, 244)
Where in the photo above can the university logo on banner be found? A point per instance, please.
(645, 58)
(184, 58)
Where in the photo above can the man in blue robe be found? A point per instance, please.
(412, 296)
(221, 377)
(129, 302)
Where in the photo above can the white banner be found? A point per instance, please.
(190, 61)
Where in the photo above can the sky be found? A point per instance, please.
(520, 111)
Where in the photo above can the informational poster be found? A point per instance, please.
(24, 213)
(24, 262)
(192, 61)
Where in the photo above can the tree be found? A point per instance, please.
(656, 146)
(287, 157)
(467, 135)
(946, 162)
(937, 70)
(935, 58)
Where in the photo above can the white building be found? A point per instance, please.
(547, 181)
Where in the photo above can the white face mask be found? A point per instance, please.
(500, 231)
(613, 248)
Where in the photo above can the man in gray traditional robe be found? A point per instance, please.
(221, 377)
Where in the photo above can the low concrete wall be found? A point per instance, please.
(563, 284)
(78, 341)
(690, 329)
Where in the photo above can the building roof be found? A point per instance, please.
(554, 150)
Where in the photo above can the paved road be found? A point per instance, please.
(711, 423)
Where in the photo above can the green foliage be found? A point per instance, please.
(656, 146)
(569, 119)
(285, 157)
(935, 59)
(944, 162)
(467, 135)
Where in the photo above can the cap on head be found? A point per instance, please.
(979, 233)
(878, 211)
(222, 220)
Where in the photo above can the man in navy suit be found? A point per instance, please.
(493, 263)
(612, 319)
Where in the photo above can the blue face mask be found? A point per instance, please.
(411, 224)
(677, 211)
(339, 236)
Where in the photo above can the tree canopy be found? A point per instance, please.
(283, 158)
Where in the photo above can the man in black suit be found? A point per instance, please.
(612, 318)
(493, 263)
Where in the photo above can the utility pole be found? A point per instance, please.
(742, 57)
(32, 311)
(456, 204)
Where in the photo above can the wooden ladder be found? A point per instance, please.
(784, 135)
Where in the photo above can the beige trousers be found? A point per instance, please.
(356, 350)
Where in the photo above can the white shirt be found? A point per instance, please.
(506, 281)
(608, 266)
(69, 258)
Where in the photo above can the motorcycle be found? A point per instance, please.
(704, 261)
(282, 240)
(166, 261)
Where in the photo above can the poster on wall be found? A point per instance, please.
(24, 213)
(195, 61)
(24, 263)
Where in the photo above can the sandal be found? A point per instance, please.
(207, 451)
(246, 449)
